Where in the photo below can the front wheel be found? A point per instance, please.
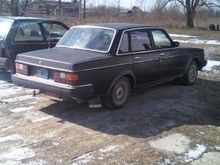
(118, 94)
(191, 74)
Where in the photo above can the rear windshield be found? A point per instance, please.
(5, 26)
(90, 38)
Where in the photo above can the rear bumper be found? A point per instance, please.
(78, 92)
(4, 63)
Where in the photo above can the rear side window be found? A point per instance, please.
(5, 26)
(161, 40)
(124, 45)
(54, 31)
(28, 31)
(140, 41)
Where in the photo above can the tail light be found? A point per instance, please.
(66, 78)
(21, 68)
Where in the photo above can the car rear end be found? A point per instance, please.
(5, 25)
(59, 82)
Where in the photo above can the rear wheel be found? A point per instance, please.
(118, 94)
(191, 74)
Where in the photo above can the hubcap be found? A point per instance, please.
(119, 92)
(192, 73)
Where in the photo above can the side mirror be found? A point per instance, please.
(176, 43)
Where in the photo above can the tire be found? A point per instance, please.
(191, 74)
(117, 96)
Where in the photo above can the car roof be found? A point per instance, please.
(123, 26)
(22, 18)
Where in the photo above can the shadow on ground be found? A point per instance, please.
(149, 112)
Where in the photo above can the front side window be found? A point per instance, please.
(90, 38)
(140, 41)
(28, 31)
(5, 27)
(161, 40)
(54, 31)
(124, 45)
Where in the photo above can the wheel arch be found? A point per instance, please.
(196, 59)
(128, 74)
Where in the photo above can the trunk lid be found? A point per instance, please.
(58, 58)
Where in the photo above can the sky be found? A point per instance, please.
(145, 5)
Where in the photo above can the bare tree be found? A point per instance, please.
(191, 7)
(17, 7)
(84, 9)
(59, 7)
(1, 6)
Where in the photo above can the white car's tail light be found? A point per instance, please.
(66, 78)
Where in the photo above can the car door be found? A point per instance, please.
(28, 37)
(145, 62)
(171, 61)
(53, 32)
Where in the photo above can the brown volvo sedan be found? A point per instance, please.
(108, 61)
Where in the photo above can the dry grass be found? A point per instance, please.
(174, 24)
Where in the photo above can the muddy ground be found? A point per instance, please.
(46, 130)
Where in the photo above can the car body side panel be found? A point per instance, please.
(146, 67)
(172, 63)
(102, 73)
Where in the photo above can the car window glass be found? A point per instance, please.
(92, 38)
(160, 39)
(5, 27)
(28, 31)
(124, 48)
(140, 41)
(54, 31)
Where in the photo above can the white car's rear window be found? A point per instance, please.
(5, 27)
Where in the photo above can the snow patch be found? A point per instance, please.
(7, 128)
(83, 159)
(55, 143)
(3, 86)
(198, 41)
(211, 64)
(42, 119)
(108, 149)
(14, 137)
(21, 109)
(194, 154)
(8, 92)
(176, 142)
(217, 148)
(18, 99)
(182, 35)
(18, 154)
(37, 162)
(35, 117)
(11, 162)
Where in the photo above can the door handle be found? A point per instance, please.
(162, 54)
(136, 58)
